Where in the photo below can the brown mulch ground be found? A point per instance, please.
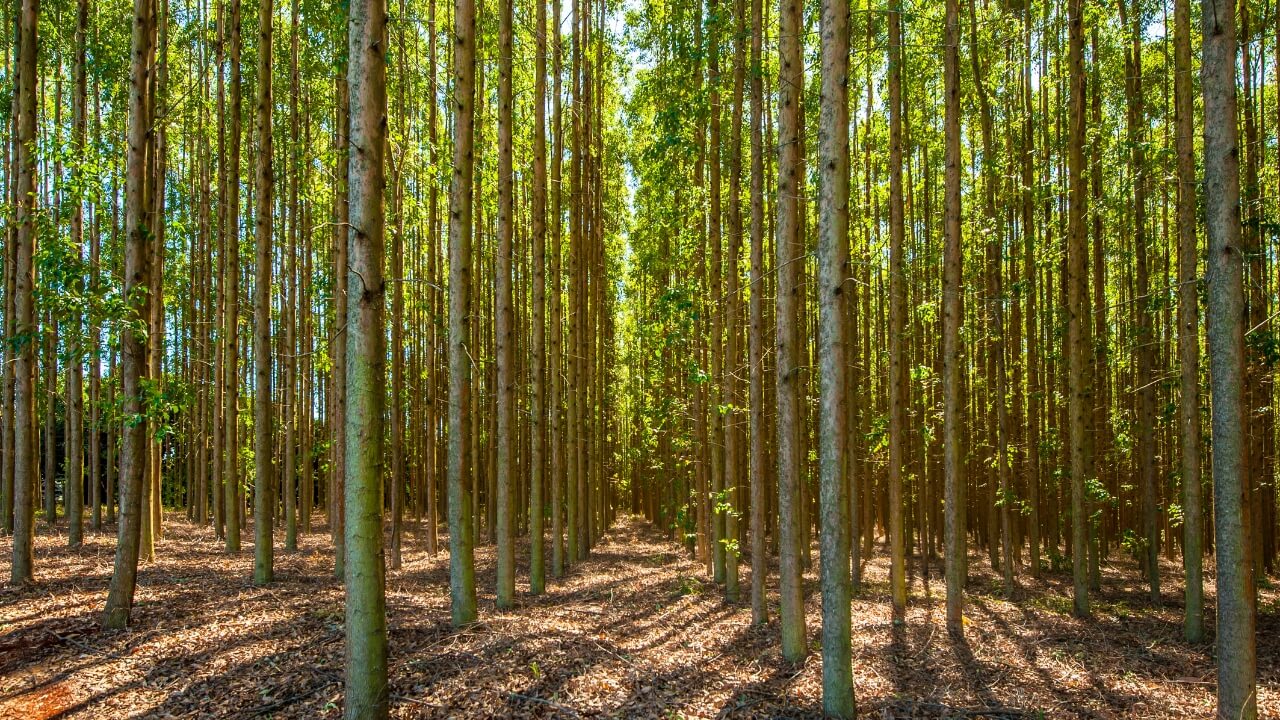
(636, 631)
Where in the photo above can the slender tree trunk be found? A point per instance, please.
(7, 392)
(1144, 338)
(230, 298)
(367, 694)
(1078, 392)
(1032, 338)
(293, 398)
(1188, 327)
(462, 582)
(133, 338)
(49, 433)
(555, 351)
(75, 376)
(505, 315)
(1236, 653)
(397, 409)
(25, 445)
(338, 339)
(263, 417)
(789, 248)
(833, 267)
(897, 323)
(733, 344)
(537, 431)
(954, 538)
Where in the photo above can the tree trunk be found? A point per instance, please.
(263, 417)
(555, 351)
(897, 323)
(505, 315)
(133, 338)
(367, 694)
(1077, 389)
(537, 410)
(954, 524)
(1188, 327)
(25, 445)
(759, 434)
(232, 503)
(833, 267)
(790, 254)
(461, 564)
(75, 341)
(1236, 653)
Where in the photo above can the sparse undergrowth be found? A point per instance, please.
(635, 631)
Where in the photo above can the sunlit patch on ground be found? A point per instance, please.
(637, 631)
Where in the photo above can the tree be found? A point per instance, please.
(75, 373)
(954, 524)
(24, 397)
(538, 229)
(231, 503)
(1077, 384)
(1188, 326)
(833, 250)
(367, 695)
(505, 314)
(133, 445)
(462, 587)
(789, 249)
(759, 559)
(897, 322)
(1145, 340)
(263, 413)
(1236, 653)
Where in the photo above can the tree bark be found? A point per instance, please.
(954, 537)
(897, 323)
(789, 248)
(537, 410)
(230, 297)
(25, 451)
(367, 694)
(833, 265)
(263, 417)
(1236, 653)
(1188, 327)
(133, 446)
(1078, 392)
(461, 563)
(75, 341)
(505, 315)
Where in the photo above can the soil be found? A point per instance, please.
(635, 631)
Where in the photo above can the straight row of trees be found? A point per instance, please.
(983, 240)
(978, 293)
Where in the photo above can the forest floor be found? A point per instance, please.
(636, 631)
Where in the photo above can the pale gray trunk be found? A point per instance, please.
(1236, 652)
(462, 583)
(833, 261)
(789, 248)
(367, 694)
